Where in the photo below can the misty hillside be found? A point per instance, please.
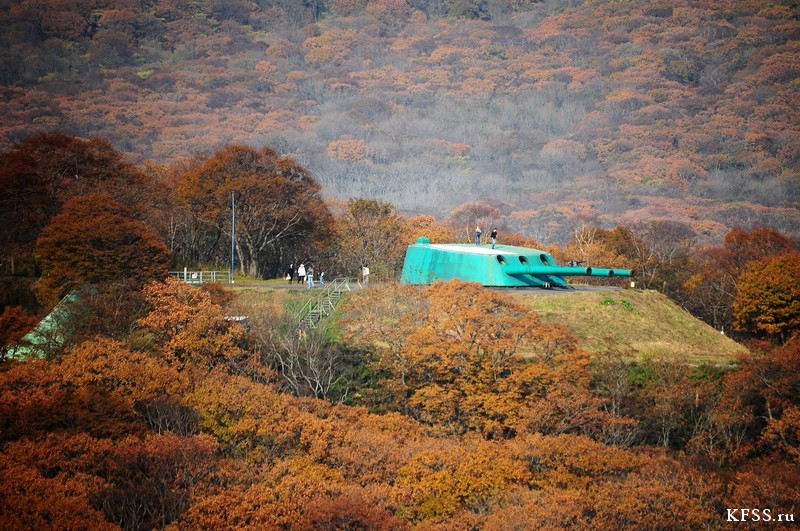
(553, 113)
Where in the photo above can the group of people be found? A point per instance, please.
(478, 236)
(304, 274)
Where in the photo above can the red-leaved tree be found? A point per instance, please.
(95, 240)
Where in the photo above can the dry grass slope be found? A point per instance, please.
(635, 322)
(638, 323)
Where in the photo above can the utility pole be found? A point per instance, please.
(233, 236)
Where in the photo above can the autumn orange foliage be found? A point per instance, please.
(95, 240)
(627, 133)
(488, 417)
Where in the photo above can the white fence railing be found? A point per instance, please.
(199, 277)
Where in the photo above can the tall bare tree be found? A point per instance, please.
(278, 205)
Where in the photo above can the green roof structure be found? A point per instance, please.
(503, 266)
(49, 335)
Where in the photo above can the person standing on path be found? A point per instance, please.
(310, 277)
(301, 273)
(477, 234)
(494, 237)
(290, 273)
(365, 274)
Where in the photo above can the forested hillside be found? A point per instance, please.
(554, 114)
(426, 407)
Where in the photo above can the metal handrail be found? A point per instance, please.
(324, 303)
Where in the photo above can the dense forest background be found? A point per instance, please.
(555, 113)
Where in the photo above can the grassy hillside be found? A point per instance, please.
(642, 323)
(635, 322)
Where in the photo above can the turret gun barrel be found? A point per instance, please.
(565, 271)
(601, 272)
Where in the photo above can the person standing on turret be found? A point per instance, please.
(494, 237)
(477, 234)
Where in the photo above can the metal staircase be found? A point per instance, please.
(323, 305)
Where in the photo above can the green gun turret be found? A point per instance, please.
(503, 266)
